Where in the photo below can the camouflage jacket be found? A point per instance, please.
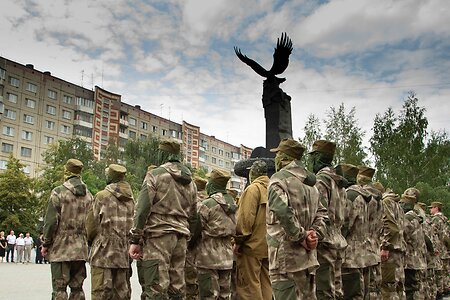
(64, 223)
(294, 207)
(415, 242)
(166, 203)
(439, 223)
(356, 227)
(108, 226)
(334, 198)
(217, 215)
(251, 219)
(393, 224)
(375, 219)
(433, 261)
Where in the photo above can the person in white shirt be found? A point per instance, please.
(20, 247)
(28, 246)
(11, 240)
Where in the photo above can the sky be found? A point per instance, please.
(175, 58)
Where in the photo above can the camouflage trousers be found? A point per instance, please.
(253, 282)
(214, 284)
(393, 277)
(326, 274)
(413, 285)
(141, 278)
(339, 290)
(372, 282)
(430, 289)
(439, 281)
(353, 283)
(299, 285)
(162, 266)
(107, 283)
(68, 273)
(446, 270)
(190, 276)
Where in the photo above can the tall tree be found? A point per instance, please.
(17, 202)
(342, 128)
(312, 131)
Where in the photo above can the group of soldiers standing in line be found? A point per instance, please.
(327, 234)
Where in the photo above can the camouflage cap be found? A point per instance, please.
(116, 171)
(422, 205)
(170, 146)
(324, 146)
(259, 167)
(391, 195)
(219, 177)
(366, 171)
(290, 147)
(200, 183)
(74, 166)
(413, 192)
(151, 167)
(349, 170)
(408, 199)
(436, 204)
(378, 186)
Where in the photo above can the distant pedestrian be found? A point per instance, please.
(11, 240)
(2, 245)
(20, 248)
(28, 246)
(38, 245)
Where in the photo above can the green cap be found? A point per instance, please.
(413, 192)
(116, 171)
(170, 146)
(366, 171)
(324, 146)
(259, 168)
(219, 177)
(349, 170)
(290, 147)
(436, 204)
(74, 166)
(200, 183)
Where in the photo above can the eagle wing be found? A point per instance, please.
(281, 55)
(253, 64)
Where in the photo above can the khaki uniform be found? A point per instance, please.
(294, 207)
(253, 282)
(65, 237)
(439, 228)
(392, 240)
(165, 206)
(214, 258)
(108, 227)
(430, 288)
(355, 231)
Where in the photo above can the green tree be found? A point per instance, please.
(312, 133)
(342, 128)
(17, 201)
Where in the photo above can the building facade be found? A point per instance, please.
(38, 109)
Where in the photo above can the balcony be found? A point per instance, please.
(84, 138)
(123, 122)
(123, 135)
(83, 123)
(201, 148)
(201, 159)
(86, 109)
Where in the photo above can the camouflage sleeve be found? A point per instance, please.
(391, 230)
(320, 222)
(279, 205)
(246, 214)
(51, 219)
(142, 210)
(92, 219)
(195, 225)
(323, 185)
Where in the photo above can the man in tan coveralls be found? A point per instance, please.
(65, 240)
(253, 282)
(108, 225)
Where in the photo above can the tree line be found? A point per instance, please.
(401, 149)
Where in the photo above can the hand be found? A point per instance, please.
(135, 251)
(384, 255)
(310, 242)
(44, 251)
(236, 250)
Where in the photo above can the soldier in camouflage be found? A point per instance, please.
(108, 225)
(165, 207)
(295, 222)
(253, 282)
(214, 257)
(331, 249)
(65, 241)
(415, 260)
(354, 230)
(392, 248)
(190, 269)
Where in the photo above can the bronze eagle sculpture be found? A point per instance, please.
(280, 59)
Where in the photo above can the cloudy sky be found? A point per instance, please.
(175, 58)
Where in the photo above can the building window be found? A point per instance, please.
(80, 101)
(11, 97)
(30, 103)
(213, 160)
(48, 140)
(7, 148)
(163, 132)
(220, 152)
(51, 94)
(27, 135)
(14, 81)
(132, 121)
(143, 136)
(27, 169)
(49, 124)
(2, 73)
(227, 154)
(144, 125)
(3, 164)
(213, 149)
(51, 110)
(28, 119)
(67, 114)
(132, 134)
(67, 99)
(25, 152)
(65, 129)
(9, 131)
(154, 128)
(227, 164)
(173, 133)
(31, 87)
(10, 114)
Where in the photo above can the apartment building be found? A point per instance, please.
(37, 109)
